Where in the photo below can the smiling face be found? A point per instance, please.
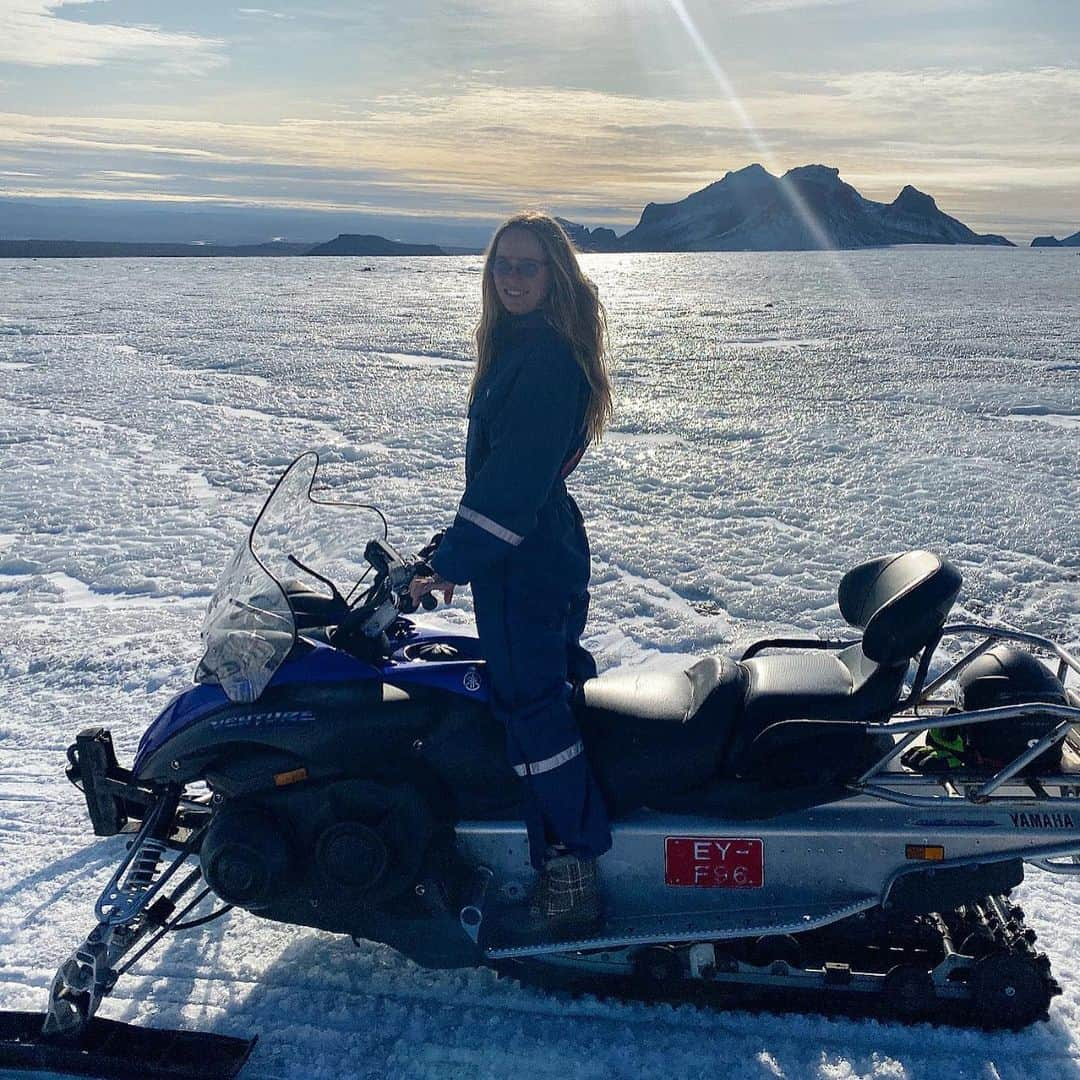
(520, 270)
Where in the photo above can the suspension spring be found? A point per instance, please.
(145, 866)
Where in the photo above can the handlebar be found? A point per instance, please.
(381, 604)
(388, 596)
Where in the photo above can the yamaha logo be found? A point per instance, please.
(471, 680)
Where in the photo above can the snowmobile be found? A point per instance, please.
(781, 821)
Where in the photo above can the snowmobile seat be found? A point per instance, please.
(834, 685)
(900, 602)
(653, 734)
(673, 696)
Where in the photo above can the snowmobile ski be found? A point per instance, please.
(118, 1051)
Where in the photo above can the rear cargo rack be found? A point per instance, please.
(1005, 784)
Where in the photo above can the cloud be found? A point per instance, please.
(969, 138)
(992, 123)
(35, 33)
(897, 8)
(125, 175)
(768, 7)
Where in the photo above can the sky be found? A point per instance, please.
(443, 118)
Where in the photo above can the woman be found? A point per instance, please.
(540, 395)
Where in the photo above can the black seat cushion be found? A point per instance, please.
(674, 696)
(658, 733)
(816, 685)
(901, 603)
(792, 693)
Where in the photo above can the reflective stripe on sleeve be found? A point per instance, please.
(534, 768)
(490, 526)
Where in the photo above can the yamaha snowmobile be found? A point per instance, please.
(786, 821)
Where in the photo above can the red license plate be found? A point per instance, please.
(713, 862)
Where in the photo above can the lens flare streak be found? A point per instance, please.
(701, 46)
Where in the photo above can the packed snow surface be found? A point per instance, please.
(780, 418)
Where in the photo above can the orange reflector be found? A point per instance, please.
(283, 779)
(933, 852)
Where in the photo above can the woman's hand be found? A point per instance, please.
(421, 586)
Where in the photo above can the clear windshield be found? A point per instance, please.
(249, 626)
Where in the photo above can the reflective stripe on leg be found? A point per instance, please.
(535, 768)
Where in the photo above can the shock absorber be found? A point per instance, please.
(140, 876)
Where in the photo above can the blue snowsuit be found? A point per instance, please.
(519, 539)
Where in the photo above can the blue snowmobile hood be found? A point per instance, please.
(319, 663)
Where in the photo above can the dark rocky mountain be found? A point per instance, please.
(1053, 241)
(807, 208)
(102, 249)
(353, 244)
(599, 239)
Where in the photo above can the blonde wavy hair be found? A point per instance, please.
(572, 307)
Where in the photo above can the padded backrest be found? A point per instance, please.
(899, 601)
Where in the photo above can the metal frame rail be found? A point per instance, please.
(909, 725)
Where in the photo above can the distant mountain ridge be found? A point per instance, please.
(344, 244)
(1053, 241)
(356, 244)
(750, 209)
(584, 239)
(808, 208)
(104, 249)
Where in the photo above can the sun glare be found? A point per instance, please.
(727, 88)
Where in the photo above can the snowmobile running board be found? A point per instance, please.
(118, 1051)
(620, 933)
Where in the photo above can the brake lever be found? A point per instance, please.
(406, 574)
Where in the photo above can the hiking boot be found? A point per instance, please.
(564, 906)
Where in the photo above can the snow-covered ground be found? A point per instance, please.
(780, 418)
